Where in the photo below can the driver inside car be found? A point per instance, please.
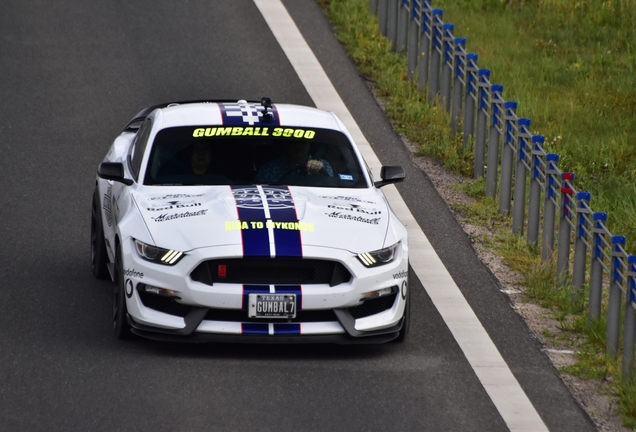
(297, 161)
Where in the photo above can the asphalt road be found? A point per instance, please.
(72, 73)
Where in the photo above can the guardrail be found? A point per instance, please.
(438, 62)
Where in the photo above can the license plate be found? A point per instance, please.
(272, 306)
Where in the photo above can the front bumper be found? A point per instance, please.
(217, 312)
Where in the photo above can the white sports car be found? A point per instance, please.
(236, 221)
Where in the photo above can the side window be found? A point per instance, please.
(140, 146)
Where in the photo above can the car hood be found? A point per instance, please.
(267, 220)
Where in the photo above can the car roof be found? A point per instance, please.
(243, 113)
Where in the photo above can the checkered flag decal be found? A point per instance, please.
(244, 113)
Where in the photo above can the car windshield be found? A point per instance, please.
(217, 155)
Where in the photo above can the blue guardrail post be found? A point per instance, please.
(425, 45)
(507, 155)
(459, 60)
(596, 267)
(521, 171)
(392, 21)
(534, 201)
(494, 135)
(470, 97)
(482, 113)
(565, 223)
(630, 321)
(447, 64)
(547, 241)
(436, 54)
(412, 47)
(615, 296)
(403, 26)
(580, 244)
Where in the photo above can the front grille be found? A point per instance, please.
(372, 307)
(240, 315)
(171, 307)
(271, 271)
(163, 304)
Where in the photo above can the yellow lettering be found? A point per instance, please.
(237, 131)
(277, 132)
(288, 132)
(244, 225)
(310, 134)
(298, 133)
(248, 131)
(223, 131)
(198, 132)
(210, 132)
(269, 224)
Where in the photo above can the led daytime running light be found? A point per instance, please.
(171, 256)
(367, 259)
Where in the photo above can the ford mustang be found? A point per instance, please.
(237, 221)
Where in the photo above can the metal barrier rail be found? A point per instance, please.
(438, 63)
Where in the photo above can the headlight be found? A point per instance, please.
(379, 257)
(158, 255)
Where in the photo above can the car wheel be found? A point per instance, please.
(99, 258)
(407, 316)
(120, 321)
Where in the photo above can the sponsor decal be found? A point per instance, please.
(348, 199)
(251, 198)
(108, 206)
(166, 217)
(400, 275)
(129, 288)
(133, 273)
(403, 290)
(355, 208)
(231, 131)
(245, 225)
(175, 197)
(306, 134)
(347, 177)
(338, 215)
(170, 205)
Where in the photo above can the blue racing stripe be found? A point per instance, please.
(249, 289)
(248, 328)
(291, 289)
(286, 329)
(249, 205)
(282, 209)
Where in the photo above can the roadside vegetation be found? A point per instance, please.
(571, 65)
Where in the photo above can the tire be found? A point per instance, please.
(99, 257)
(121, 329)
(407, 317)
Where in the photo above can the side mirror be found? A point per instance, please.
(391, 174)
(113, 171)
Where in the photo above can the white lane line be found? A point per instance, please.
(505, 392)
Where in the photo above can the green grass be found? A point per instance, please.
(571, 66)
